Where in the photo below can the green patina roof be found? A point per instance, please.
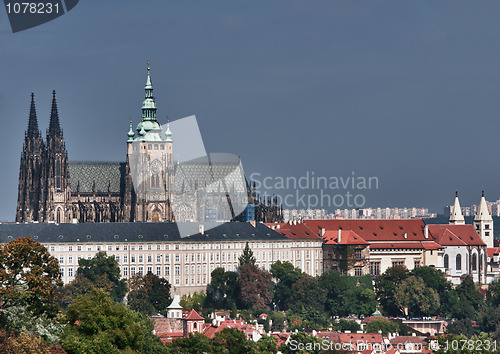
(175, 303)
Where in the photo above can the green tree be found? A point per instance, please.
(267, 345)
(416, 299)
(255, 287)
(234, 341)
(149, 294)
(100, 272)
(470, 299)
(385, 289)
(26, 343)
(193, 301)
(223, 290)
(382, 324)
(493, 293)
(195, 343)
(462, 327)
(286, 275)
(345, 325)
(247, 256)
(95, 324)
(29, 276)
(278, 319)
(347, 295)
(337, 287)
(309, 342)
(435, 279)
(308, 297)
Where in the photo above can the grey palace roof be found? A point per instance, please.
(138, 232)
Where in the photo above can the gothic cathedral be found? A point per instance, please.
(54, 189)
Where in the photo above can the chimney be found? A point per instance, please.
(201, 229)
(339, 237)
(278, 227)
(426, 231)
(321, 231)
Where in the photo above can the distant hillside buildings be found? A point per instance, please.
(370, 246)
(363, 213)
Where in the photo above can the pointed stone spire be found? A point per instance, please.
(54, 127)
(168, 133)
(483, 213)
(456, 216)
(33, 121)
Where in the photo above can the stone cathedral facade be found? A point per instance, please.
(54, 189)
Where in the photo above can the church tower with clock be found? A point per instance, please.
(150, 165)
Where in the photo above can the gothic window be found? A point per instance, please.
(459, 262)
(446, 261)
(474, 262)
(58, 217)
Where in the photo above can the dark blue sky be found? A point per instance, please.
(404, 91)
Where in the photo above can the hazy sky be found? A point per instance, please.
(405, 91)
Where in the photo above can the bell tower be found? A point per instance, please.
(483, 222)
(150, 168)
(30, 171)
(56, 190)
(456, 216)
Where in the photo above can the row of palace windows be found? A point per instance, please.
(458, 262)
(157, 247)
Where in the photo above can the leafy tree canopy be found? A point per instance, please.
(149, 294)
(255, 287)
(29, 276)
(95, 324)
(286, 275)
(100, 272)
(382, 324)
(414, 298)
(247, 257)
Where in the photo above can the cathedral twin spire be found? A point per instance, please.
(33, 131)
(54, 126)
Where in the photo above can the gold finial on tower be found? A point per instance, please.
(148, 65)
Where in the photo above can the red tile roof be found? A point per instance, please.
(492, 251)
(169, 337)
(347, 237)
(375, 230)
(361, 337)
(332, 336)
(431, 245)
(280, 337)
(243, 327)
(406, 245)
(456, 235)
(167, 325)
(297, 231)
(193, 316)
(408, 339)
